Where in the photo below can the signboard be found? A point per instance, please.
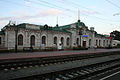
(110, 37)
(84, 35)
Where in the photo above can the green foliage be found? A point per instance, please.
(116, 35)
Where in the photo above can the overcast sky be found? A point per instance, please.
(104, 15)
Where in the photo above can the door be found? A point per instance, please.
(84, 43)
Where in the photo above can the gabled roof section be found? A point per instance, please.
(22, 25)
(65, 26)
(60, 29)
(41, 27)
(77, 24)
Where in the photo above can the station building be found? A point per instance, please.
(41, 36)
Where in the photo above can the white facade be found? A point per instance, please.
(115, 42)
(69, 35)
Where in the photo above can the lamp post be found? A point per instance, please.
(16, 32)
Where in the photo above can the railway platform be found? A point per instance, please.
(24, 55)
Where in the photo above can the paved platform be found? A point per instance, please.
(7, 56)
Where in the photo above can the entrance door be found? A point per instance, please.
(84, 43)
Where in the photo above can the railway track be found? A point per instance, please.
(9, 67)
(22, 63)
(80, 73)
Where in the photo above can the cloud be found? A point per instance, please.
(5, 18)
(50, 12)
(89, 12)
(61, 1)
(26, 15)
(3, 23)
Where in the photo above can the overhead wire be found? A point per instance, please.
(50, 6)
(72, 2)
(83, 7)
(113, 4)
(56, 6)
(116, 14)
(53, 6)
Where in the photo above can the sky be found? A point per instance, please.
(103, 15)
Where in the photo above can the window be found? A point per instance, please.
(62, 40)
(96, 42)
(0, 41)
(43, 40)
(77, 41)
(55, 40)
(68, 41)
(89, 42)
(32, 40)
(103, 42)
(20, 39)
(99, 42)
(107, 42)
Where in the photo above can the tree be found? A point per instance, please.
(116, 35)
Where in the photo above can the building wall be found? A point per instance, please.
(100, 40)
(28, 32)
(10, 38)
(2, 41)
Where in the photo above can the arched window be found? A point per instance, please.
(89, 42)
(96, 42)
(107, 42)
(0, 40)
(62, 40)
(99, 42)
(32, 40)
(103, 42)
(20, 39)
(55, 40)
(77, 41)
(43, 39)
(68, 41)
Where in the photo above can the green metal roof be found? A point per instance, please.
(59, 29)
(2, 32)
(100, 35)
(76, 23)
